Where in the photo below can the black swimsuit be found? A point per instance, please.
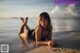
(32, 37)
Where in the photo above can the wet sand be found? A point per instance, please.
(65, 45)
(71, 45)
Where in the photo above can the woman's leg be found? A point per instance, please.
(27, 27)
(26, 31)
(22, 33)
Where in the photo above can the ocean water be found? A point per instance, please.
(66, 24)
(9, 27)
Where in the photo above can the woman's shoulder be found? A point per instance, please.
(38, 28)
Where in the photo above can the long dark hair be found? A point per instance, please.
(46, 16)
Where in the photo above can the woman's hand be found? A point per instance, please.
(51, 43)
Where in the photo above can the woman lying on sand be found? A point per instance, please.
(42, 33)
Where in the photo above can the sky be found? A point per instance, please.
(32, 8)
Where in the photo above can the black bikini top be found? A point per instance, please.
(42, 36)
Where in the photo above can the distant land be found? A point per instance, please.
(9, 17)
(14, 17)
(74, 17)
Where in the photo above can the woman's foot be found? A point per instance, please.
(22, 19)
(24, 45)
(26, 20)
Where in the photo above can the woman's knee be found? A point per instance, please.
(24, 34)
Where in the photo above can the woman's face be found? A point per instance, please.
(44, 22)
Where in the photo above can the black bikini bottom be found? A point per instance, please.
(32, 36)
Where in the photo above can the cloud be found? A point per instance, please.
(68, 11)
(10, 8)
(71, 10)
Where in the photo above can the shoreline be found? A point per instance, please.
(67, 44)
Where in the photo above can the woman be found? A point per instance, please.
(42, 33)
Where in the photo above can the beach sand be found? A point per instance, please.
(66, 45)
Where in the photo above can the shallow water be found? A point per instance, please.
(9, 27)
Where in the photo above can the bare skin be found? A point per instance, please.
(24, 34)
(38, 38)
(38, 34)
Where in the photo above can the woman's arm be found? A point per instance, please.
(38, 33)
(42, 42)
